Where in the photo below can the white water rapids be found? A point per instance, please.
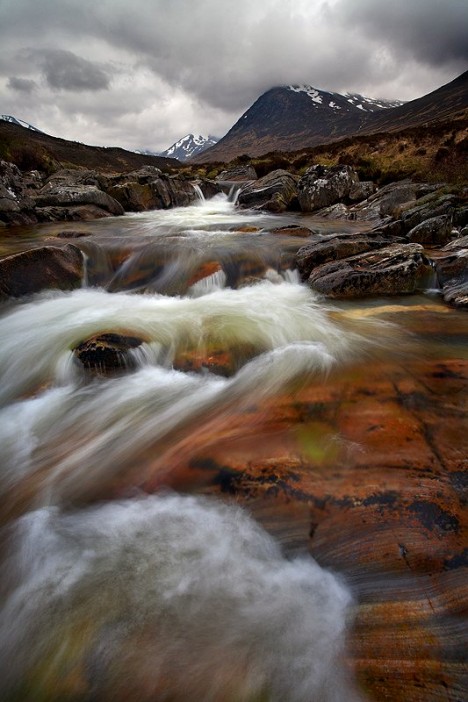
(160, 597)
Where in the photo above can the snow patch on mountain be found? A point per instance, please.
(19, 123)
(322, 97)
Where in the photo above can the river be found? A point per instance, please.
(159, 536)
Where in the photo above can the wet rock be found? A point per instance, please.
(435, 231)
(322, 186)
(45, 268)
(149, 189)
(335, 247)
(275, 192)
(456, 294)
(16, 207)
(292, 230)
(436, 207)
(209, 188)
(78, 213)
(106, 354)
(392, 270)
(460, 216)
(238, 173)
(361, 190)
(52, 195)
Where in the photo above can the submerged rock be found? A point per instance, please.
(393, 270)
(45, 268)
(106, 354)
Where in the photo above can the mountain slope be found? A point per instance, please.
(19, 123)
(290, 117)
(189, 146)
(443, 103)
(35, 150)
(295, 117)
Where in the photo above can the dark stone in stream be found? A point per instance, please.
(275, 192)
(335, 247)
(393, 270)
(58, 195)
(322, 186)
(45, 268)
(106, 354)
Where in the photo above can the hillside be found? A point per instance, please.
(35, 150)
(294, 117)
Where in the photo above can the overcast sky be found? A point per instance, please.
(143, 73)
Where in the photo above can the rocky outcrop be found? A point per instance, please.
(238, 174)
(275, 192)
(322, 186)
(73, 194)
(452, 272)
(107, 354)
(16, 207)
(335, 247)
(149, 189)
(53, 195)
(435, 231)
(45, 268)
(392, 270)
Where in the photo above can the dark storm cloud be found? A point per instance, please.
(432, 31)
(63, 70)
(22, 85)
(132, 73)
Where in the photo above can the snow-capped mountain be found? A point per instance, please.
(295, 116)
(189, 146)
(335, 101)
(20, 123)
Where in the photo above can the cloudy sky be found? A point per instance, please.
(143, 73)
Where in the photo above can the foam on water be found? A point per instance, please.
(168, 598)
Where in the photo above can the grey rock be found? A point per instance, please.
(392, 270)
(434, 231)
(238, 174)
(335, 247)
(44, 268)
(275, 192)
(57, 195)
(322, 186)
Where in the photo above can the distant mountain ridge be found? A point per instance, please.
(189, 146)
(20, 123)
(293, 117)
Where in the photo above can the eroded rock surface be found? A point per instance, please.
(44, 268)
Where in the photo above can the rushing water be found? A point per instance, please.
(113, 594)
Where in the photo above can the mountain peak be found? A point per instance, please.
(188, 146)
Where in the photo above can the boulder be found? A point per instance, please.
(16, 207)
(57, 195)
(107, 354)
(275, 192)
(335, 247)
(361, 190)
(444, 205)
(434, 231)
(238, 174)
(393, 270)
(149, 189)
(322, 186)
(456, 295)
(44, 268)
